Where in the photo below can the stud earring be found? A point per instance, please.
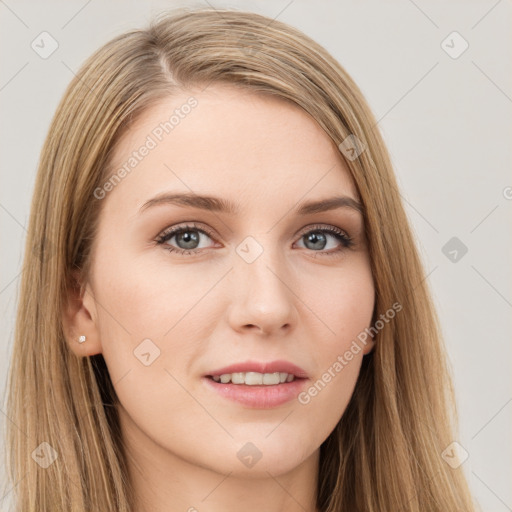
(81, 339)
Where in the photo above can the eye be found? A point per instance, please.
(186, 235)
(315, 238)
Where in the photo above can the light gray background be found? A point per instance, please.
(447, 123)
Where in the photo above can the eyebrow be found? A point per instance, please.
(217, 204)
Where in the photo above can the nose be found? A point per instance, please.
(262, 295)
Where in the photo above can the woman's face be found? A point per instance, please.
(266, 283)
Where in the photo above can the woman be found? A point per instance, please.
(225, 306)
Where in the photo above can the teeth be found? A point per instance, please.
(254, 378)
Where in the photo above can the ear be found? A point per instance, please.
(369, 342)
(79, 317)
(368, 347)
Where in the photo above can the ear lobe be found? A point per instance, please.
(79, 318)
(368, 347)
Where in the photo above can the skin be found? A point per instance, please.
(212, 308)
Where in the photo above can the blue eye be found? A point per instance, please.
(311, 237)
(184, 234)
(189, 236)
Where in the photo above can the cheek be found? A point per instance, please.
(345, 311)
(150, 322)
(148, 297)
(343, 301)
(142, 316)
(154, 320)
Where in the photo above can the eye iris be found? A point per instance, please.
(188, 237)
(314, 238)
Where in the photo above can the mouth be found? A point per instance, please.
(256, 390)
(257, 373)
(256, 384)
(255, 378)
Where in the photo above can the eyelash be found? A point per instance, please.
(345, 240)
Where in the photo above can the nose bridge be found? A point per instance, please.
(260, 279)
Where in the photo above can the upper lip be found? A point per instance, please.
(261, 367)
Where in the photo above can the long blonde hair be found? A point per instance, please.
(386, 451)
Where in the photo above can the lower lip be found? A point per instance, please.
(261, 396)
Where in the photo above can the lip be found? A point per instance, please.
(259, 396)
(261, 367)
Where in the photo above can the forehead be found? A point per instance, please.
(231, 142)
